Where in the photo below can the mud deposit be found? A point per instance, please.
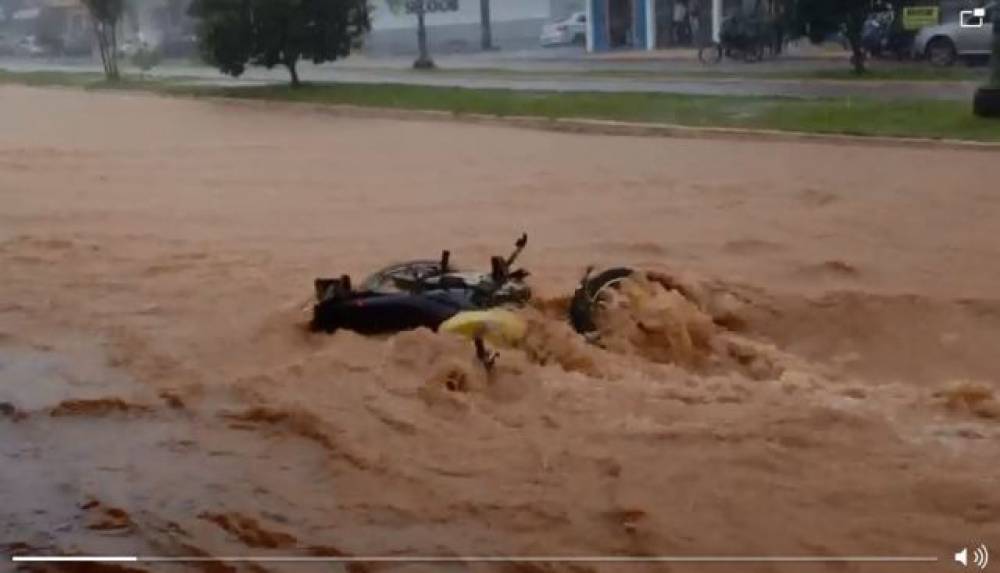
(811, 369)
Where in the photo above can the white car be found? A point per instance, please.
(572, 30)
(131, 47)
(29, 46)
(945, 43)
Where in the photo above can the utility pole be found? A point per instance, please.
(424, 61)
(486, 25)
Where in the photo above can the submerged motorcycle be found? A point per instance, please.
(432, 294)
(436, 295)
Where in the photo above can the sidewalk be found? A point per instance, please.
(800, 50)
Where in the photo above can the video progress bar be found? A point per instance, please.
(488, 559)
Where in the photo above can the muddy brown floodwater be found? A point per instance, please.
(820, 378)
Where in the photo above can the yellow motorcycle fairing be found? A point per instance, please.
(496, 326)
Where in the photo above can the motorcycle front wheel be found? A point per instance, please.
(591, 298)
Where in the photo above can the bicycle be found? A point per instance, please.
(713, 52)
(747, 39)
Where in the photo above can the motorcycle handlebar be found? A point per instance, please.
(518, 247)
(499, 267)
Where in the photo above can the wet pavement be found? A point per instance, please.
(567, 73)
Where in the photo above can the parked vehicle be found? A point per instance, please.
(572, 30)
(884, 36)
(750, 39)
(944, 44)
(29, 46)
(131, 47)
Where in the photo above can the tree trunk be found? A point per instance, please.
(857, 59)
(424, 61)
(106, 44)
(855, 23)
(102, 46)
(485, 25)
(113, 52)
(292, 71)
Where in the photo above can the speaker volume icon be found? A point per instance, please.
(980, 556)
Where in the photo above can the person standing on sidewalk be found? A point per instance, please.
(682, 30)
(694, 17)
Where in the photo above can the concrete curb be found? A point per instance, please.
(623, 128)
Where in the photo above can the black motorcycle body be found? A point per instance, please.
(377, 313)
(426, 294)
(417, 294)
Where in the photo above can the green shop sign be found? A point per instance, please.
(916, 17)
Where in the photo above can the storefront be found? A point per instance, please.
(620, 24)
(653, 24)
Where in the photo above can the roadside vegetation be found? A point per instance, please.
(909, 118)
(901, 73)
(908, 72)
(233, 35)
(912, 118)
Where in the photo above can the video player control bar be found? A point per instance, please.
(491, 559)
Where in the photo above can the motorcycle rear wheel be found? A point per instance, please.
(710, 54)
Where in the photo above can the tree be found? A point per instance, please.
(235, 33)
(485, 25)
(817, 19)
(105, 16)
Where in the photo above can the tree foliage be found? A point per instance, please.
(818, 19)
(105, 16)
(235, 33)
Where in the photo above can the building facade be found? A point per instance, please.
(655, 24)
(620, 24)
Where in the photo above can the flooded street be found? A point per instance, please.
(159, 394)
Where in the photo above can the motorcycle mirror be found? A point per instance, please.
(519, 246)
(498, 269)
(445, 257)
